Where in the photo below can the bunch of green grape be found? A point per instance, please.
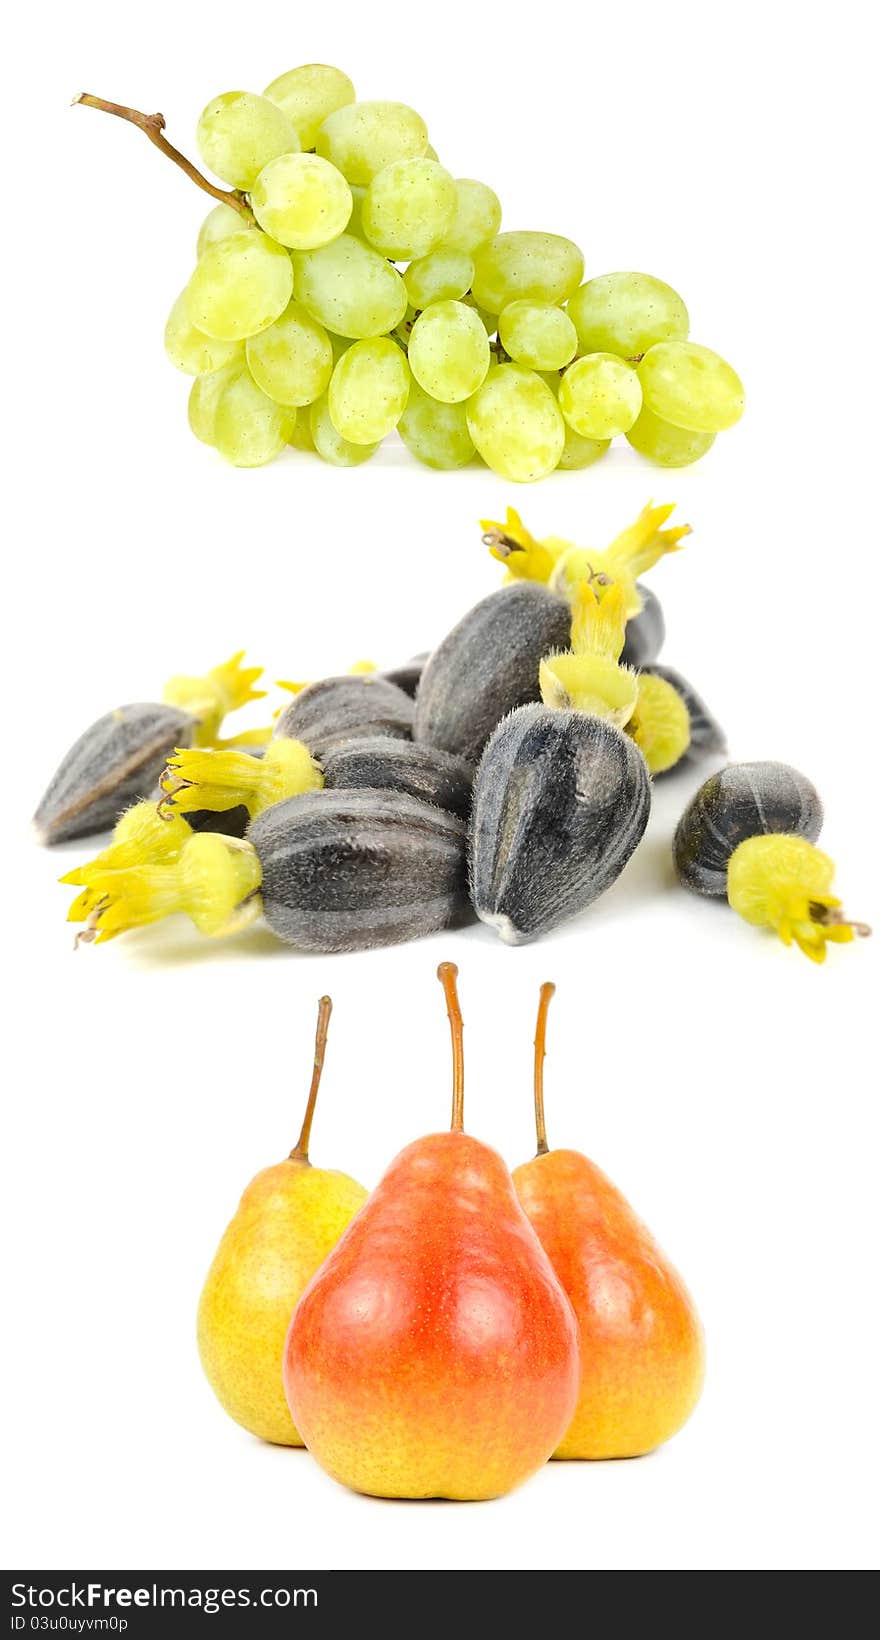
(354, 286)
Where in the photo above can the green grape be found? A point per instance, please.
(537, 334)
(431, 153)
(436, 434)
(443, 276)
(402, 332)
(221, 223)
(348, 287)
(477, 216)
(301, 435)
(691, 387)
(449, 351)
(301, 200)
(579, 452)
(600, 396)
(364, 137)
(489, 320)
(408, 207)
(330, 445)
(516, 424)
(355, 221)
(339, 344)
(189, 349)
(536, 267)
(204, 398)
(308, 95)
(239, 133)
(239, 286)
(228, 411)
(249, 428)
(626, 313)
(368, 390)
(668, 446)
(292, 361)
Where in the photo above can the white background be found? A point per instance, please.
(722, 1081)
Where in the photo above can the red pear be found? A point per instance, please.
(434, 1354)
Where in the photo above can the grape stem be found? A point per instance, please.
(153, 126)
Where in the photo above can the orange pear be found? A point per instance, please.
(435, 1354)
(641, 1343)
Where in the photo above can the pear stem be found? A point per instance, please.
(300, 1153)
(153, 126)
(447, 973)
(548, 990)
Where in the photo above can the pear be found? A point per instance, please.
(641, 1342)
(435, 1354)
(288, 1219)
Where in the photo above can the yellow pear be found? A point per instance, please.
(288, 1220)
